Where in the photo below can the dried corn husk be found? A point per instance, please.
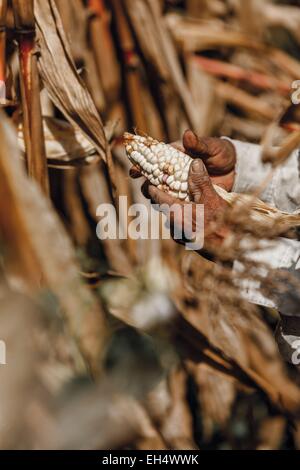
(63, 83)
(39, 248)
(65, 144)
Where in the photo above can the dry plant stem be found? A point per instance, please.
(192, 35)
(259, 80)
(30, 91)
(171, 58)
(103, 48)
(131, 62)
(3, 12)
(59, 75)
(277, 157)
(284, 61)
(238, 97)
(196, 8)
(2, 53)
(72, 15)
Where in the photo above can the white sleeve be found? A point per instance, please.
(283, 255)
(282, 190)
(280, 257)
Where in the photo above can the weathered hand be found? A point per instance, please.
(219, 156)
(202, 192)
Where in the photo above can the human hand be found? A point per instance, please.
(201, 191)
(218, 155)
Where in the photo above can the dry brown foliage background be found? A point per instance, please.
(118, 344)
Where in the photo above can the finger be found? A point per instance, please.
(145, 189)
(178, 146)
(200, 184)
(181, 224)
(160, 197)
(134, 172)
(194, 145)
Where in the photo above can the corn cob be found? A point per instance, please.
(168, 169)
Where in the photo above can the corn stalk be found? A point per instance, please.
(30, 93)
(3, 12)
(131, 65)
(103, 48)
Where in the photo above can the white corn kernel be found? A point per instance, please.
(170, 180)
(153, 159)
(184, 176)
(184, 187)
(177, 185)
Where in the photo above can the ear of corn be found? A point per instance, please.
(163, 165)
(168, 169)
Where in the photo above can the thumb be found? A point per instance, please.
(194, 145)
(200, 185)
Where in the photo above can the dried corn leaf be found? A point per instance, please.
(20, 320)
(65, 143)
(271, 433)
(177, 426)
(39, 248)
(198, 348)
(107, 421)
(75, 18)
(63, 83)
(164, 47)
(96, 191)
(61, 78)
(216, 396)
(195, 35)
